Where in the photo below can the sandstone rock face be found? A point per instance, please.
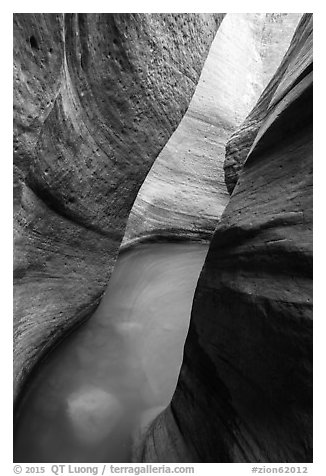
(239, 144)
(245, 389)
(184, 193)
(96, 97)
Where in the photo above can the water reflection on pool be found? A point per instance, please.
(117, 370)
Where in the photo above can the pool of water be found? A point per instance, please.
(120, 369)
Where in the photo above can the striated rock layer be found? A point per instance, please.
(96, 97)
(184, 193)
(245, 388)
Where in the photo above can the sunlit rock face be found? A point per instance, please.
(96, 97)
(240, 142)
(245, 388)
(184, 194)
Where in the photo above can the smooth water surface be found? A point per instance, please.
(117, 370)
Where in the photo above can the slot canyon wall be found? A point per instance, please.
(239, 144)
(244, 392)
(96, 97)
(184, 193)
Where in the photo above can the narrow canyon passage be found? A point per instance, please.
(157, 128)
(120, 369)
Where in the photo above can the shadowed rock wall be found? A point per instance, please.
(96, 97)
(245, 388)
(184, 193)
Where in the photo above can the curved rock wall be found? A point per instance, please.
(238, 145)
(96, 97)
(184, 193)
(245, 388)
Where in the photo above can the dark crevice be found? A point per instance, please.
(33, 42)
